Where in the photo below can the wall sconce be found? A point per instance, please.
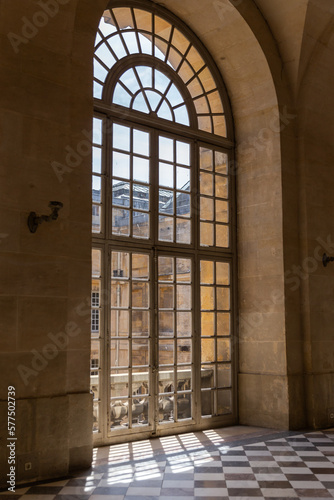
(34, 220)
(326, 259)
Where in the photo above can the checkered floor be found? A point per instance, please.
(204, 465)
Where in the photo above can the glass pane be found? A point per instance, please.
(166, 296)
(184, 406)
(222, 236)
(206, 160)
(105, 27)
(166, 352)
(143, 20)
(97, 90)
(166, 203)
(162, 27)
(207, 324)
(130, 80)
(117, 46)
(119, 294)
(186, 72)
(166, 381)
(119, 325)
(153, 98)
(206, 234)
(224, 376)
(105, 55)
(140, 323)
(174, 96)
(222, 273)
(140, 104)
(120, 193)
(224, 402)
(121, 96)
(166, 324)
(140, 411)
(195, 59)
(120, 222)
(166, 410)
(220, 163)
(119, 354)
(141, 142)
(183, 294)
(96, 218)
(207, 272)
(140, 266)
(184, 324)
(183, 204)
(166, 175)
(207, 80)
(165, 112)
(174, 58)
(140, 352)
(97, 131)
(140, 294)
(221, 187)
(183, 231)
(166, 149)
(219, 124)
(97, 160)
(161, 81)
(183, 376)
(207, 209)
(206, 184)
(207, 376)
(223, 324)
(166, 228)
(183, 270)
(195, 88)
(184, 354)
(204, 123)
(141, 197)
(201, 105)
(181, 115)
(120, 265)
(140, 382)
(223, 298)
(96, 262)
(223, 350)
(146, 45)
(141, 225)
(207, 298)
(131, 42)
(121, 137)
(121, 165)
(96, 189)
(183, 178)
(207, 350)
(207, 403)
(95, 417)
(118, 409)
(145, 74)
(166, 266)
(222, 214)
(180, 41)
(215, 103)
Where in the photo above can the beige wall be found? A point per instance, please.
(284, 186)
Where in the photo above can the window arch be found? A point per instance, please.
(132, 31)
(163, 234)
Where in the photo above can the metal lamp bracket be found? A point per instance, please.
(326, 259)
(34, 220)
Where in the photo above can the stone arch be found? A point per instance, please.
(245, 52)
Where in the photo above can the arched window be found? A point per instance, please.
(163, 237)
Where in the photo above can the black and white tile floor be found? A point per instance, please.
(207, 465)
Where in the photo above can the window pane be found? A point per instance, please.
(141, 225)
(208, 350)
(121, 137)
(96, 189)
(141, 197)
(140, 323)
(183, 178)
(206, 234)
(166, 149)
(207, 272)
(166, 175)
(120, 265)
(119, 324)
(184, 324)
(206, 184)
(166, 324)
(207, 298)
(166, 266)
(166, 228)
(183, 294)
(121, 165)
(121, 96)
(119, 294)
(141, 142)
(120, 222)
(222, 214)
(166, 296)
(223, 273)
(140, 266)
(97, 131)
(183, 270)
(183, 231)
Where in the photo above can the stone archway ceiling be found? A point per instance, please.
(286, 20)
